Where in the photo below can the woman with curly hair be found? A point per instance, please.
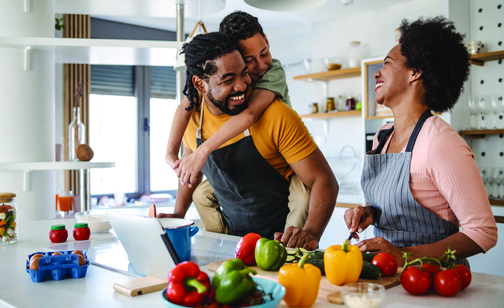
(421, 182)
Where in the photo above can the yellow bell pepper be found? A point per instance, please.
(343, 264)
(301, 282)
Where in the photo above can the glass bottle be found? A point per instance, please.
(330, 106)
(8, 218)
(76, 134)
(355, 54)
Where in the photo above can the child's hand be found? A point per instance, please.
(171, 159)
(189, 167)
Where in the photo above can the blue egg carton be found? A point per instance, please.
(57, 267)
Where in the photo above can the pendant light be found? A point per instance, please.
(200, 26)
(285, 5)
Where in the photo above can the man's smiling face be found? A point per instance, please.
(226, 88)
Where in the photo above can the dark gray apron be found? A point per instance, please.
(252, 194)
(398, 217)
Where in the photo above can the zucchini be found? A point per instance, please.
(368, 257)
(318, 263)
(369, 271)
(291, 251)
(290, 258)
(317, 255)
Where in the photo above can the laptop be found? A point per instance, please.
(149, 249)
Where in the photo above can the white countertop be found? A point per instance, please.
(17, 289)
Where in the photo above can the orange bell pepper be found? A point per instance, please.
(343, 264)
(301, 282)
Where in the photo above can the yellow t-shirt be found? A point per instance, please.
(279, 135)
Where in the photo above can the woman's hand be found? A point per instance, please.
(189, 166)
(379, 244)
(359, 218)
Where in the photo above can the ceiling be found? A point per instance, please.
(160, 14)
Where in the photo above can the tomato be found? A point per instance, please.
(81, 232)
(245, 249)
(448, 282)
(415, 281)
(432, 269)
(465, 274)
(58, 234)
(386, 263)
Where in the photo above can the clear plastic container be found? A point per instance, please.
(355, 54)
(8, 218)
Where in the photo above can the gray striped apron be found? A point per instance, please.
(398, 217)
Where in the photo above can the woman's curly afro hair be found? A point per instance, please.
(200, 56)
(435, 48)
(240, 26)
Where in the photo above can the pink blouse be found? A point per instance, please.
(445, 179)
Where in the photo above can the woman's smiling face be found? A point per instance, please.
(393, 78)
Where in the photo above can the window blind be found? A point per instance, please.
(113, 80)
(163, 82)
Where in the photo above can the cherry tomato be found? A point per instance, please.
(465, 274)
(58, 234)
(415, 281)
(448, 282)
(245, 249)
(386, 263)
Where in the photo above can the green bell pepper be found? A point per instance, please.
(270, 255)
(232, 281)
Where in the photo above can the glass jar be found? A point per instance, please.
(330, 105)
(8, 218)
(350, 103)
(355, 54)
(76, 134)
(315, 107)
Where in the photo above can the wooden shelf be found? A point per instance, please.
(480, 58)
(480, 133)
(496, 202)
(351, 113)
(331, 75)
(100, 51)
(380, 117)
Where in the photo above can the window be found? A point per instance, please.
(130, 115)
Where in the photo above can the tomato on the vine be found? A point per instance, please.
(447, 282)
(465, 274)
(415, 281)
(432, 269)
(386, 263)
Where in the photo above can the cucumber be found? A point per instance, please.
(290, 258)
(318, 263)
(368, 257)
(369, 271)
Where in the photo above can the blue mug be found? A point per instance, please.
(180, 232)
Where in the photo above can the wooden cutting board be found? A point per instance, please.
(327, 291)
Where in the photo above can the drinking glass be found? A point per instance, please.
(495, 110)
(473, 111)
(500, 102)
(498, 178)
(484, 108)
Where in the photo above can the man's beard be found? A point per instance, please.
(222, 105)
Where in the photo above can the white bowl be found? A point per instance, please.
(97, 221)
(363, 294)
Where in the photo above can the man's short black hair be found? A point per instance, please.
(435, 48)
(240, 26)
(200, 56)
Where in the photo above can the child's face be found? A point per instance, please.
(256, 54)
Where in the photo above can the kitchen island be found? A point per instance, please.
(95, 290)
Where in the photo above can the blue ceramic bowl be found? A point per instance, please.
(269, 286)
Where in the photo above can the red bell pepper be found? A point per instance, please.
(187, 285)
(245, 249)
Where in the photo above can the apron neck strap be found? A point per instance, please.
(427, 114)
